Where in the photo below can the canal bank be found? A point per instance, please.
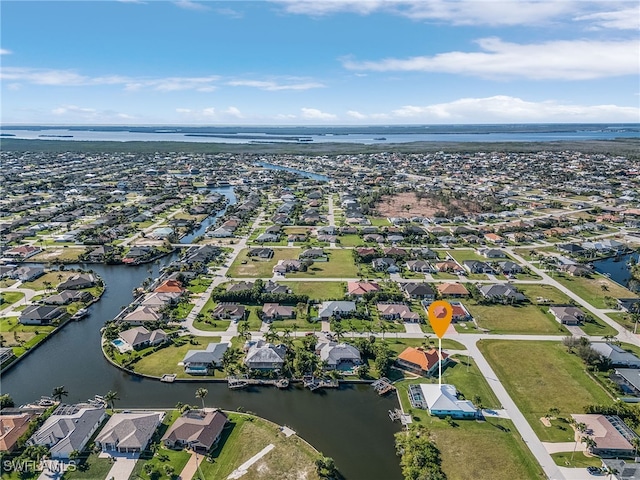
(349, 424)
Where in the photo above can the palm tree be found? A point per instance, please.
(580, 428)
(338, 330)
(589, 442)
(384, 328)
(110, 398)
(201, 393)
(59, 392)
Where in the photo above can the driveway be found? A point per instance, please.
(412, 328)
(122, 465)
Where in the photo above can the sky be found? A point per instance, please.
(319, 62)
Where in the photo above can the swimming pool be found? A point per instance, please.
(118, 343)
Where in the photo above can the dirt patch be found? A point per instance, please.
(545, 421)
(408, 204)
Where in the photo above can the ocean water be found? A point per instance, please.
(337, 134)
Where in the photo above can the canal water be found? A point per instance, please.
(350, 424)
(211, 219)
(619, 270)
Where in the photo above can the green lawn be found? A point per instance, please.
(248, 435)
(165, 360)
(379, 221)
(351, 240)
(260, 268)
(55, 277)
(165, 456)
(594, 290)
(597, 327)
(9, 298)
(537, 294)
(19, 336)
(624, 319)
(90, 468)
(318, 290)
(580, 460)
(512, 319)
(340, 265)
(542, 375)
(212, 325)
(462, 255)
(59, 254)
(399, 344)
(199, 284)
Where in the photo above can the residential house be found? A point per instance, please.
(616, 355)
(475, 266)
(143, 314)
(68, 429)
(449, 266)
(12, 427)
(220, 232)
(285, 266)
(197, 430)
(261, 253)
(267, 237)
(40, 314)
(315, 254)
(329, 309)
(239, 287)
(128, 432)
(420, 266)
(623, 470)
(170, 286)
(397, 311)
(510, 268)
(373, 238)
(275, 311)
(27, 274)
(567, 315)
(420, 290)
(385, 265)
(612, 437)
(502, 292)
(631, 305)
(78, 282)
(265, 356)
(68, 296)
(199, 362)
(575, 270)
(452, 289)
(358, 289)
(338, 356)
(492, 253)
(6, 354)
(421, 361)
(275, 288)
(440, 400)
(23, 251)
(160, 299)
(229, 311)
(140, 337)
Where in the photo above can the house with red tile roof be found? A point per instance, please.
(421, 361)
(452, 289)
(357, 289)
(170, 286)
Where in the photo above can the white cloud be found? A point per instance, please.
(315, 114)
(506, 109)
(70, 113)
(623, 19)
(189, 5)
(356, 115)
(273, 86)
(230, 12)
(461, 12)
(4, 51)
(558, 59)
(234, 112)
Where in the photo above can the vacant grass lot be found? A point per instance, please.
(9, 298)
(248, 435)
(542, 375)
(166, 359)
(260, 268)
(318, 290)
(579, 460)
(523, 319)
(593, 290)
(60, 254)
(462, 255)
(90, 468)
(542, 293)
(340, 265)
(54, 278)
(350, 240)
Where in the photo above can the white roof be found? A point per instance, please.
(443, 397)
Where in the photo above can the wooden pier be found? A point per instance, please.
(313, 383)
(235, 383)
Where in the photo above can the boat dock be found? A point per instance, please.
(235, 383)
(313, 383)
(168, 377)
(383, 386)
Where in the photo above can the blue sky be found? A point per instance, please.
(334, 62)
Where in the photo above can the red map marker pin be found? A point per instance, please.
(440, 314)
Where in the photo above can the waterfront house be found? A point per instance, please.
(340, 356)
(27, 274)
(440, 400)
(6, 354)
(197, 430)
(170, 286)
(68, 429)
(199, 362)
(143, 314)
(68, 296)
(23, 251)
(329, 309)
(40, 314)
(265, 356)
(128, 432)
(140, 337)
(78, 282)
(12, 427)
(421, 361)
